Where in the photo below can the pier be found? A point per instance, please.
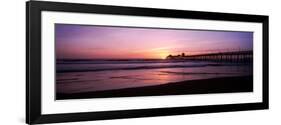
(234, 56)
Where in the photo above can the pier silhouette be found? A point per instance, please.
(227, 56)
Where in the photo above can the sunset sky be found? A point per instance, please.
(100, 42)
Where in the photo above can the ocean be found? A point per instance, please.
(77, 76)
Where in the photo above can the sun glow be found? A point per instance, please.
(156, 53)
(162, 54)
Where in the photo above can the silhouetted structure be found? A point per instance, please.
(236, 56)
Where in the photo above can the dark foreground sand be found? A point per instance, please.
(204, 86)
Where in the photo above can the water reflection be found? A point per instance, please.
(76, 82)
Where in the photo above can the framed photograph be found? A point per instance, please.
(95, 62)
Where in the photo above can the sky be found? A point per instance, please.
(107, 42)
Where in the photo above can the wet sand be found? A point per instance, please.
(203, 86)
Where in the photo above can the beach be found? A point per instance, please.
(202, 86)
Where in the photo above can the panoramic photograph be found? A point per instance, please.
(95, 61)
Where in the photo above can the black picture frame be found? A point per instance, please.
(33, 61)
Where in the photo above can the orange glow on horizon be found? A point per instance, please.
(155, 53)
(163, 54)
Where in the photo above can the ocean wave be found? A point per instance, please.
(118, 61)
(134, 68)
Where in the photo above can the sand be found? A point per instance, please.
(204, 86)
